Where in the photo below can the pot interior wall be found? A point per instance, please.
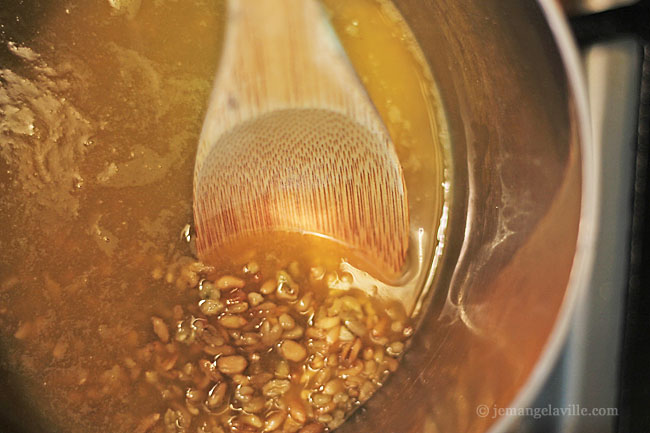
(514, 213)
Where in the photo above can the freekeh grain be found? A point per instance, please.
(254, 354)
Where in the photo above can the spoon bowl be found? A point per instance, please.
(291, 142)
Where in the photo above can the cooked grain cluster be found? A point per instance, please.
(261, 353)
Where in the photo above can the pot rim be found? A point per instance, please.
(589, 221)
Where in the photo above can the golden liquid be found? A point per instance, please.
(100, 112)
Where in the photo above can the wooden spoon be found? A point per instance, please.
(292, 142)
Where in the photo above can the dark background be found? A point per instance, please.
(634, 397)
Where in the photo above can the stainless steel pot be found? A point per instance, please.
(522, 217)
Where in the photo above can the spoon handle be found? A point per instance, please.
(282, 54)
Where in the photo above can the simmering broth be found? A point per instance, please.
(101, 104)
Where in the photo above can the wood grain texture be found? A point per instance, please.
(292, 142)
